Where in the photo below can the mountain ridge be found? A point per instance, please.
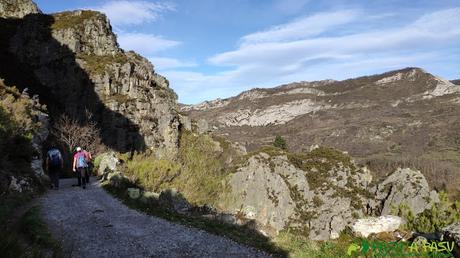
(375, 118)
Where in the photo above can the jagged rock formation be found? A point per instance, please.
(17, 8)
(408, 186)
(74, 60)
(374, 118)
(318, 193)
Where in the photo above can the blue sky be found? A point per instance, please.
(213, 48)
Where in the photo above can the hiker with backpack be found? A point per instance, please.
(89, 163)
(54, 165)
(80, 166)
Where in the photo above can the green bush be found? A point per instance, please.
(279, 142)
(441, 214)
(151, 173)
(197, 172)
(17, 126)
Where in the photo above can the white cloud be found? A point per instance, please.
(436, 29)
(276, 56)
(133, 12)
(165, 63)
(302, 28)
(145, 44)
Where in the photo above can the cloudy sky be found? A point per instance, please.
(214, 48)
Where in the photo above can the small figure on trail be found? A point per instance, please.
(80, 166)
(89, 162)
(54, 165)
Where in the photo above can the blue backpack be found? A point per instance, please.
(81, 161)
(55, 157)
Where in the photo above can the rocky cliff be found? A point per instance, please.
(406, 117)
(73, 60)
(17, 8)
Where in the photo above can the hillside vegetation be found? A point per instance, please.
(26, 235)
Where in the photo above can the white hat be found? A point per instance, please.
(78, 149)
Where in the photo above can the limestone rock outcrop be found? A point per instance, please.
(76, 64)
(17, 8)
(320, 197)
(405, 186)
(365, 227)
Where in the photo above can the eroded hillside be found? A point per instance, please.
(401, 118)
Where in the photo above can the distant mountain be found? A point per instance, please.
(405, 116)
(456, 82)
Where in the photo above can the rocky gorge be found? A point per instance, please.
(215, 160)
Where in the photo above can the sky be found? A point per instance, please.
(210, 49)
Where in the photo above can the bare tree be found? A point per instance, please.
(74, 133)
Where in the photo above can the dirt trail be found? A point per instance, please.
(91, 223)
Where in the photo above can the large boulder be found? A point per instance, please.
(452, 233)
(319, 197)
(405, 186)
(107, 164)
(365, 227)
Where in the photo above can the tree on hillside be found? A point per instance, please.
(73, 133)
(279, 142)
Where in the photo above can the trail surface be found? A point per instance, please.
(91, 223)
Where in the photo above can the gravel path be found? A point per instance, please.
(91, 223)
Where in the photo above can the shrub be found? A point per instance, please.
(441, 214)
(151, 173)
(279, 142)
(197, 172)
(17, 126)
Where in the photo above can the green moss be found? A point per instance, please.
(65, 20)
(97, 64)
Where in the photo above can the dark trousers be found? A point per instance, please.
(54, 174)
(82, 176)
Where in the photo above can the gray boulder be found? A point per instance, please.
(277, 195)
(107, 164)
(202, 126)
(365, 227)
(134, 193)
(405, 186)
(452, 233)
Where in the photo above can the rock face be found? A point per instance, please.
(108, 163)
(17, 8)
(365, 227)
(374, 118)
(75, 61)
(452, 233)
(405, 186)
(320, 197)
